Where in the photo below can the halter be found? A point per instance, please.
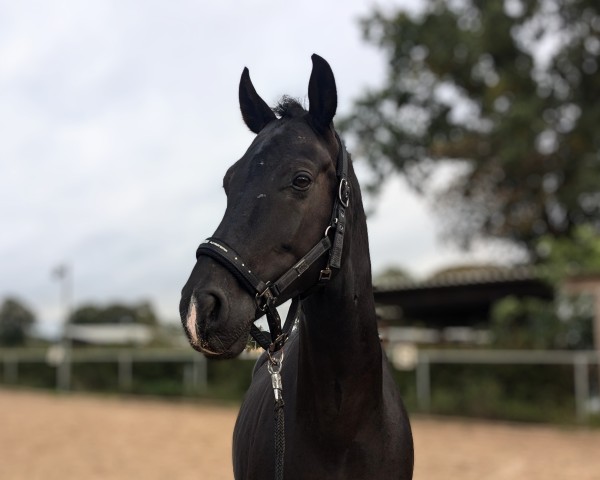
(267, 293)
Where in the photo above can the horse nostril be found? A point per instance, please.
(208, 307)
(205, 309)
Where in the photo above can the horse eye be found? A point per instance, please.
(302, 181)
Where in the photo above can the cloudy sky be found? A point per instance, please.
(118, 120)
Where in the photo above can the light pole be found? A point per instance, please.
(64, 274)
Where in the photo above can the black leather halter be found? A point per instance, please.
(267, 293)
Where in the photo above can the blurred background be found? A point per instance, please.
(474, 130)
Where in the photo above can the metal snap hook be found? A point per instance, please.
(274, 365)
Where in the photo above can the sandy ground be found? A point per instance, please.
(45, 436)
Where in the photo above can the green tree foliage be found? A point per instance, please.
(564, 257)
(15, 322)
(565, 323)
(393, 274)
(507, 91)
(141, 313)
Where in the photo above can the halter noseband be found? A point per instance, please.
(267, 293)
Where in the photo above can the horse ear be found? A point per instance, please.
(322, 94)
(255, 112)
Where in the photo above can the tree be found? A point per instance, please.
(393, 274)
(15, 322)
(507, 92)
(565, 257)
(141, 313)
(565, 322)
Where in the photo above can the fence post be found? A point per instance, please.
(201, 371)
(582, 386)
(423, 382)
(125, 371)
(63, 370)
(194, 375)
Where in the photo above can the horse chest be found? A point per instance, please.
(373, 450)
(309, 457)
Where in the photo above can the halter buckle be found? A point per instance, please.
(265, 298)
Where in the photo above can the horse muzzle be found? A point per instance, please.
(209, 327)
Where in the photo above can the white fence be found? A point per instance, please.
(63, 358)
(581, 362)
(404, 357)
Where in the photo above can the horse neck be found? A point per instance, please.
(340, 354)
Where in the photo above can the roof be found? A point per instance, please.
(474, 276)
(459, 297)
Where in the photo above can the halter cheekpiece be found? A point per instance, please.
(267, 293)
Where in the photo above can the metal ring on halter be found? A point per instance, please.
(329, 227)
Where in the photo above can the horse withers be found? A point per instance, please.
(294, 227)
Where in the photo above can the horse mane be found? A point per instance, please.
(289, 107)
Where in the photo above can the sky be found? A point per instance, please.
(118, 120)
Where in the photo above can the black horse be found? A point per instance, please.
(343, 413)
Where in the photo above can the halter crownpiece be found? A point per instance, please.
(267, 293)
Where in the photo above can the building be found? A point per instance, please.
(113, 334)
(455, 306)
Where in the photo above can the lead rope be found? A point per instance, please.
(274, 368)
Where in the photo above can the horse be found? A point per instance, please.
(295, 191)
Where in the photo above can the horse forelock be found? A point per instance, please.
(289, 107)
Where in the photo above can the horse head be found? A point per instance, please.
(280, 196)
